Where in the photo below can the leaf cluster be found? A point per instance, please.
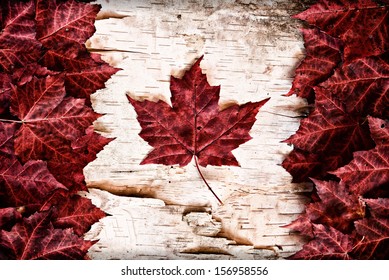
(46, 134)
(343, 144)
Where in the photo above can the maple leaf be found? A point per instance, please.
(73, 211)
(331, 133)
(69, 169)
(59, 22)
(379, 131)
(303, 165)
(353, 22)
(5, 92)
(194, 126)
(24, 75)
(303, 225)
(375, 241)
(8, 216)
(84, 73)
(18, 45)
(369, 169)
(7, 131)
(328, 243)
(46, 135)
(378, 207)
(50, 121)
(26, 185)
(338, 207)
(322, 56)
(36, 238)
(363, 85)
(19, 19)
(335, 139)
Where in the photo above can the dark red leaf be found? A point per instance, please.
(36, 238)
(19, 20)
(195, 126)
(46, 135)
(25, 185)
(84, 74)
(335, 137)
(304, 165)
(322, 56)
(374, 243)
(69, 169)
(9, 216)
(353, 22)
(5, 92)
(60, 22)
(378, 207)
(50, 121)
(363, 85)
(7, 131)
(379, 131)
(338, 207)
(331, 129)
(75, 212)
(303, 225)
(18, 45)
(24, 75)
(328, 243)
(14, 53)
(369, 169)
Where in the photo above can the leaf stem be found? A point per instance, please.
(205, 181)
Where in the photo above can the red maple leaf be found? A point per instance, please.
(7, 131)
(27, 185)
(62, 22)
(337, 207)
(369, 169)
(73, 211)
(363, 85)
(353, 22)
(46, 132)
(36, 238)
(9, 216)
(5, 92)
(329, 135)
(50, 121)
(374, 243)
(322, 56)
(18, 45)
(378, 207)
(328, 243)
(84, 73)
(69, 169)
(194, 126)
(335, 138)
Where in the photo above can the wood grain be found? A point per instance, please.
(250, 48)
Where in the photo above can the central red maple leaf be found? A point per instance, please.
(194, 126)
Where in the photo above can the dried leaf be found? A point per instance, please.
(353, 22)
(363, 85)
(194, 126)
(328, 243)
(62, 22)
(36, 238)
(375, 241)
(49, 121)
(322, 56)
(337, 208)
(369, 169)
